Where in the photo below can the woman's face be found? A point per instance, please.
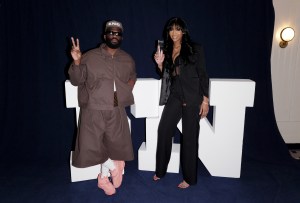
(176, 33)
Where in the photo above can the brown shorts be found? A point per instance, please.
(102, 134)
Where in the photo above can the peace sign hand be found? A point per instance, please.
(75, 51)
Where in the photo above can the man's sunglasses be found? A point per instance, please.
(112, 33)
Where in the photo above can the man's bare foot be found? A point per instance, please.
(183, 185)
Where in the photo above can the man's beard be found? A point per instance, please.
(113, 45)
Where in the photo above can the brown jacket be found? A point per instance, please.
(95, 78)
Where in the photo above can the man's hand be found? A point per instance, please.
(75, 51)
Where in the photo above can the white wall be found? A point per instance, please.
(285, 68)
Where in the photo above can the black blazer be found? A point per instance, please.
(193, 78)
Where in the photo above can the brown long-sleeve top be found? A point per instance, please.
(95, 77)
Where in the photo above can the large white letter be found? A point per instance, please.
(220, 145)
(146, 96)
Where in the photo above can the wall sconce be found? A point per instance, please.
(286, 35)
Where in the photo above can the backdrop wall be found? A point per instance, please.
(35, 125)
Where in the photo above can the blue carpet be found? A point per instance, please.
(259, 182)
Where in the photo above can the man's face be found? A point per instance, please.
(113, 37)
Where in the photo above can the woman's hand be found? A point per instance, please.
(159, 57)
(204, 107)
(75, 51)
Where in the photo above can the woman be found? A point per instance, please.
(185, 96)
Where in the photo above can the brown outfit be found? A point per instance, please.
(103, 129)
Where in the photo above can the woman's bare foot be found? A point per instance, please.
(183, 185)
(155, 178)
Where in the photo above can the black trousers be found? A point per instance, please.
(172, 113)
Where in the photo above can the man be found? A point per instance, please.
(105, 77)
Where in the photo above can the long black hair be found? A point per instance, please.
(186, 45)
